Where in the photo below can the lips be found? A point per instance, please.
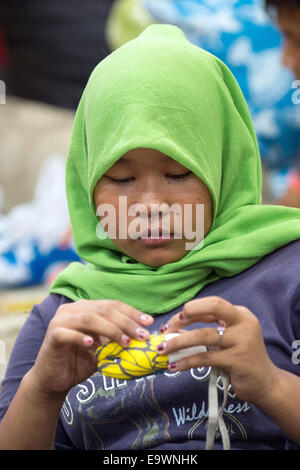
(155, 233)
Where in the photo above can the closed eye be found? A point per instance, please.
(127, 180)
(181, 176)
(119, 180)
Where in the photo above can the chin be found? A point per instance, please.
(160, 260)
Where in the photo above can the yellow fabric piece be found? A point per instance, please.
(138, 359)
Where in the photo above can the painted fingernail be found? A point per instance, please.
(88, 340)
(125, 339)
(161, 347)
(181, 316)
(145, 317)
(172, 365)
(163, 328)
(142, 333)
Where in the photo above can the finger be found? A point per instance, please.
(137, 315)
(127, 318)
(90, 323)
(108, 329)
(213, 308)
(62, 336)
(128, 325)
(214, 358)
(103, 340)
(208, 337)
(178, 321)
(115, 326)
(104, 307)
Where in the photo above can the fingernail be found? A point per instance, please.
(87, 340)
(172, 365)
(145, 317)
(181, 316)
(142, 333)
(161, 346)
(125, 339)
(163, 328)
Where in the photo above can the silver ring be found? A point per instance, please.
(221, 330)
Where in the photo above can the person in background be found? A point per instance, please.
(244, 35)
(52, 47)
(288, 20)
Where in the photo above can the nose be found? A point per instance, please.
(152, 190)
(153, 196)
(155, 203)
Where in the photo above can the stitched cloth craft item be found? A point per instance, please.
(160, 91)
(140, 358)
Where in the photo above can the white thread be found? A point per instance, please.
(215, 416)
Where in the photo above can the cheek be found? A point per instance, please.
(113, 212)
(107, 208)
(103, 196)
(195, 215)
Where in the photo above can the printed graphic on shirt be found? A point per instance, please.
(148, 411)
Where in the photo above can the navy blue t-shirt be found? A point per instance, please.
(169, 410)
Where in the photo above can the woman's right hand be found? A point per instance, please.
(66, 357)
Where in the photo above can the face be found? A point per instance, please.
(146, 180)
(289, 23)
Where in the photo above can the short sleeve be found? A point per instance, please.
(23, 356)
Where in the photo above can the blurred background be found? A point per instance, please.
(47, 52)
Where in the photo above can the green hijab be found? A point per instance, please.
(160, 91)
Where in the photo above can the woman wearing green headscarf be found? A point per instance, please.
(163, 182)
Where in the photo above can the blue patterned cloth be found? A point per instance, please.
(242, 35)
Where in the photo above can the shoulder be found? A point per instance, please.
(284, 261)
(47, 308)
(278, 271)
(290, 252)
(32, 333)
(34, 329)
(275, 279)
(275, 275)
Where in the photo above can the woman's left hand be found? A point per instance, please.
(242, 353)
